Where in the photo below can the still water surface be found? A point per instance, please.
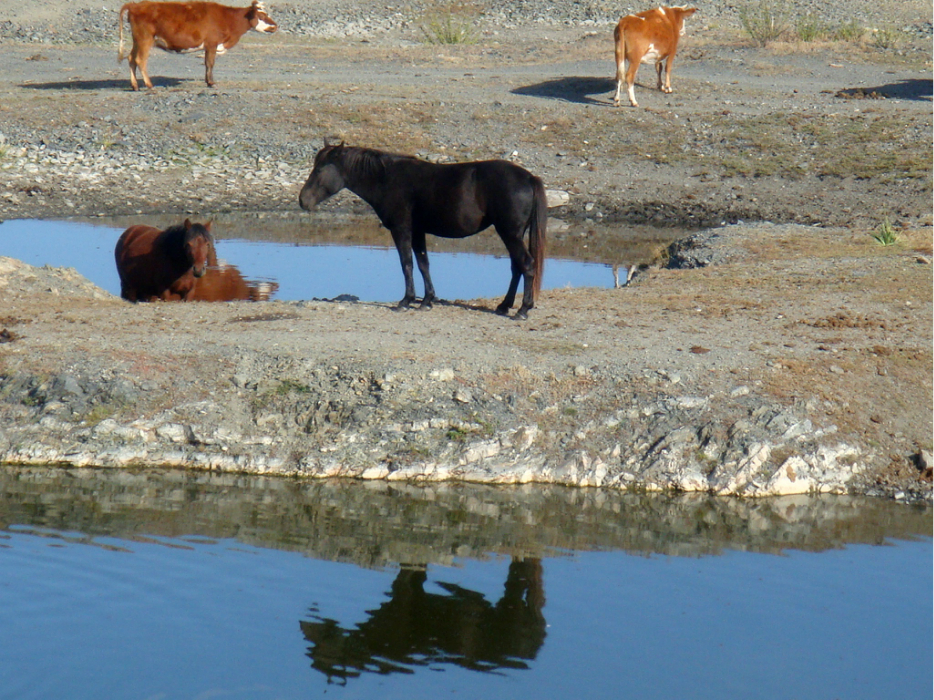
(176, 585)
(322, 258)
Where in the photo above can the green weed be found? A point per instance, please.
(456, 434)
(886, 38)
(810, 28)
(849, 31)
(454, 23)
(764, 20)
(886, 234)
(287, 386)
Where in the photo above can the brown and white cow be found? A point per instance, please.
(648, 37)
(184, 27)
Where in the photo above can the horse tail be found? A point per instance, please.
(123, 11)
(538, 225)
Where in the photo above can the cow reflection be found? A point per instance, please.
(414, 628)
(223, 282)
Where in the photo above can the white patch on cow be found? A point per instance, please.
(163, 44)
(652, 55)
(662, 10)
(221, 49)
(262, 26)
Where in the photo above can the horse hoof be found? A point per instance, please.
(502, 310)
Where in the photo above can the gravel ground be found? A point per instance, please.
(769, 358)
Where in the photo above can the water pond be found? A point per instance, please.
(160, 584)
(295, 257)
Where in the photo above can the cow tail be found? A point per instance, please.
(123, 11)
(538, 225)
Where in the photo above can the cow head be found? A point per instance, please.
(260, 19)
(682, 13)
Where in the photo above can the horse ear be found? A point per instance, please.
(207, 226)
(187, 224)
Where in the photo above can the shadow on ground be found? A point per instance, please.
(572, 89)
(918, 89)
(122, 84)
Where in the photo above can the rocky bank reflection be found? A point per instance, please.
(381, 524)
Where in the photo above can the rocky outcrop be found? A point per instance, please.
(439, 426)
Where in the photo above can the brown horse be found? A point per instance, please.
(159, 265)
(413, 198)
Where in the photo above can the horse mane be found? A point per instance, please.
(174, 238)
(368, 162)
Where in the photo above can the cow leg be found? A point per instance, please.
(133, 63)
(658, 72)
(620, 77)
(668, 63)
(419, 247)
(402, 237)
(139, 56)
(210, 53)
(631, 81)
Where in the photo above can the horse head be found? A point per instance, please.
(326, 177)
(199, 244)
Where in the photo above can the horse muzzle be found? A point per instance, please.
(308, 199)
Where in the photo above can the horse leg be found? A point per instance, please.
(402, 237)
(521, 265)
(420, 249)
(510, 298)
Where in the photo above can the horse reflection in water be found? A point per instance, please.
(414, 628)
(224, 282)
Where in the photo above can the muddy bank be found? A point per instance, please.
(701, 379)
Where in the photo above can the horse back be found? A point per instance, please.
(454, 200)
(136, 240)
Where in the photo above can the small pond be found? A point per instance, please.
(161, 584)
(291, 257)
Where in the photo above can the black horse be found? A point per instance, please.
(412, 198)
